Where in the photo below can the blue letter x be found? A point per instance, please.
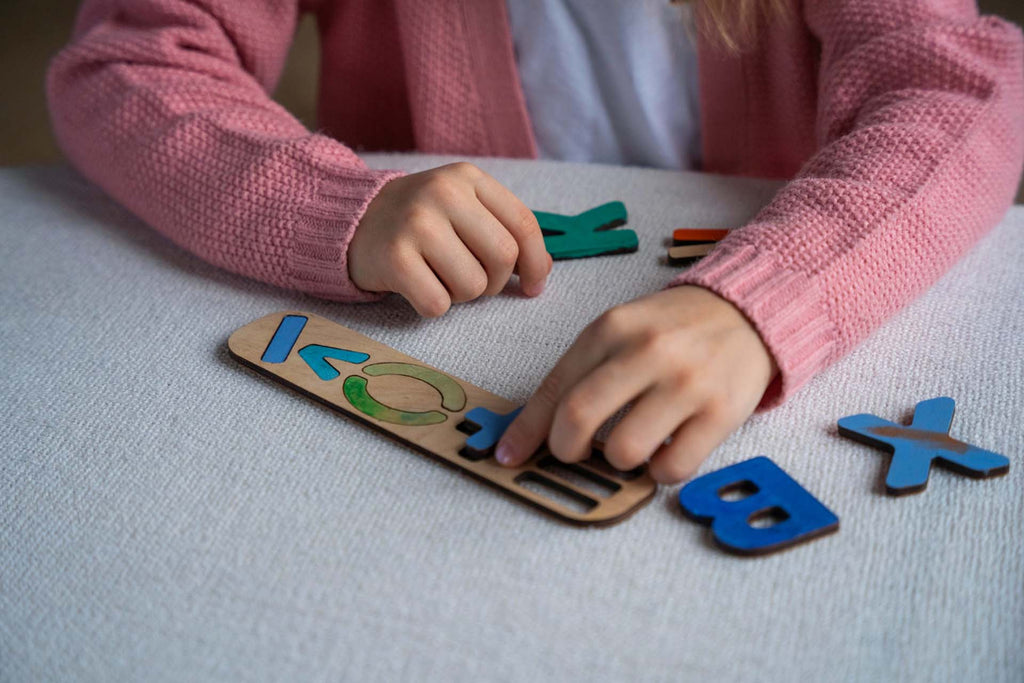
(926, 439)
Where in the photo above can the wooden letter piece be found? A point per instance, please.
(683, 236)
(423, 407)
(591, 233)
(485, 429)
(914, 448)
(771, 495)
(689, 245)
(684, 255)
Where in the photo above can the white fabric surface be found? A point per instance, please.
(166, 514)
(610, 81)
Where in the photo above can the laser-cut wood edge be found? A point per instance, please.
(689, 254)
(581, 254)
(779, 547)
(441, 442)
(691, 251)
(765, 550)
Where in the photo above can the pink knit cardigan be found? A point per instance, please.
(899, 123)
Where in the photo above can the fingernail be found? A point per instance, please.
(503, 454)
(534, 290)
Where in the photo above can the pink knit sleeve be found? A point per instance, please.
(165, 105)
(920, 138)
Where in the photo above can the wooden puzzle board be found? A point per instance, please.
(425, 408)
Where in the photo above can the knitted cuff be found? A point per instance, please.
(317, 260)
(784, 306)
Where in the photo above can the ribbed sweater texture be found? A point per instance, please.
(899, 125)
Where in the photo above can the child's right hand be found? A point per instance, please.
(447, 235)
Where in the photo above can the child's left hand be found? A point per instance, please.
(691, 362)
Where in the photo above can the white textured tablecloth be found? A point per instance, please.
(166, 514)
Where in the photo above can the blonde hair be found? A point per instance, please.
(734, 24)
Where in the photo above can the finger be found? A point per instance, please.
(530, 428)
(489, 242)
(534, 261)
(594, 399)
(455, 265)
(415, 281)
(691, 444)
(654, 418)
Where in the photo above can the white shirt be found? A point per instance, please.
(609, 81)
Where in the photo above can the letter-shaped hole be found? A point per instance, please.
(453, 397)
(357, 394)
(555, 492)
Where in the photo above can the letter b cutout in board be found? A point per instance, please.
(794, 515)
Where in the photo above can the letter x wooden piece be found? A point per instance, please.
(915, 447)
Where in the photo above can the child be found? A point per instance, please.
(898, 122)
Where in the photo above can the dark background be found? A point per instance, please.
(31, 31)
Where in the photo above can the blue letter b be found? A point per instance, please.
(773, 495)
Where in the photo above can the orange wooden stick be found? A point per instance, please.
(697, 235)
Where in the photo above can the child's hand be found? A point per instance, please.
(694, 366)
(447, 235)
